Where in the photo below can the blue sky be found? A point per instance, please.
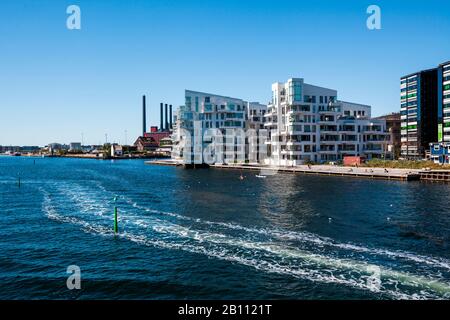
(56, 84)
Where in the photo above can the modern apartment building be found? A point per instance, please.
(308, 123)
(255, 115)
(356, 110)
(203, 111)
(440, 150)
(419, 113)
(443, 83)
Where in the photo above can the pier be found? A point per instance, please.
(327, 170)
(435, 175)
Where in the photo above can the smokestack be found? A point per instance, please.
(167, 122)
(161, 125)
(170, 117)
(144, 116)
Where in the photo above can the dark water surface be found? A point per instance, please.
(205, 234)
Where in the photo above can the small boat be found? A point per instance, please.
(260, 176)
(12, 154)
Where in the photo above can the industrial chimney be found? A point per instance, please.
(167, 122)
(144, 116)
(170, 117)
(161, 125)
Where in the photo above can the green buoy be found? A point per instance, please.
(116, 225)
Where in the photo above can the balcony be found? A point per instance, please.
(298, 109)
(373, 148)
(347, 149)
(373, 129)
(328, 129)
(327, 119)
(328, 109)
(347, 129)
(349, 138)
(329, 138)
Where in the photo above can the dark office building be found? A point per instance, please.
(419, 113)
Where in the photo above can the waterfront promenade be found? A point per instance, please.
(363, 172)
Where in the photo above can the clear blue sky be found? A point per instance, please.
(56, 84)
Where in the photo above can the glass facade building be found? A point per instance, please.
(419, 113)
(444, 102)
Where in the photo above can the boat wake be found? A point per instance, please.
(301, 255)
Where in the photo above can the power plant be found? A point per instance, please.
(151, 140)
(166, 114)
(144, 115)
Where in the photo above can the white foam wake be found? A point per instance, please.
(310, 238)
(309, 266)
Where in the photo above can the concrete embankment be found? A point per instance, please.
(361, 172)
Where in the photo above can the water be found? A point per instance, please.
(205, 234)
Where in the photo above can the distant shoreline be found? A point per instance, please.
(90, 157)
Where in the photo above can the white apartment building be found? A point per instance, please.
(203, 111)
(444, 102)
(255, 115)
(357, 110)
(75, 146)
(308, 123)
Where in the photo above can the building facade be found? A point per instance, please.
(444, 102)
(307, 123)
(419, 113)
(440, 152)
(75, 147)
(393, 126)
(205, 112)
(144, 144)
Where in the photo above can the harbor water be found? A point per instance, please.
(208, 234)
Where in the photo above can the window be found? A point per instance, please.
(295, 91)
(188, 103)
